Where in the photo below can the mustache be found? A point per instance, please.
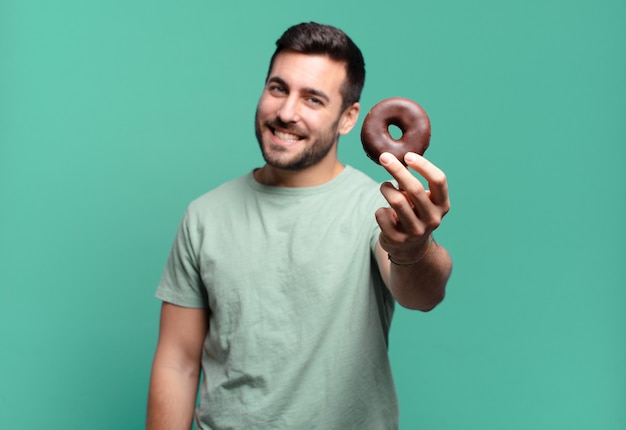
(291, 128)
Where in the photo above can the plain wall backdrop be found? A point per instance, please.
(114, 115)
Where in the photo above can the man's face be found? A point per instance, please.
(299, 117)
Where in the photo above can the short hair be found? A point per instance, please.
(314, 38)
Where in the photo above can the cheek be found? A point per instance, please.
(267, 106)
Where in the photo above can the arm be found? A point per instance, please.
(176, 367)
(421, 270)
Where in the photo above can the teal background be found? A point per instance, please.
(114, 115)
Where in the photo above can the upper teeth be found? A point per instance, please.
(286, 136)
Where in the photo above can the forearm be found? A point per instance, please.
(421, 285)
(172, 398)
(176, 367)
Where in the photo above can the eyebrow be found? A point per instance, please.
(307, 90)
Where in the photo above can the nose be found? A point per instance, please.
(288, 110)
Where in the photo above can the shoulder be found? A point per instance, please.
(220, 195)
(362, 185)
(212, 206)
(356, 176)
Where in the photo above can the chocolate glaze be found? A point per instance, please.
(405, 114)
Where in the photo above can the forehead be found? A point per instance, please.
(315, 71)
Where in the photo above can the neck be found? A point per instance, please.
(309, 177)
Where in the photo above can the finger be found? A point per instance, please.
(388, 221)
(407, 182)
(436, 178)
(396, 169)
(408, 210)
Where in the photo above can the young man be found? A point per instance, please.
(280, 285)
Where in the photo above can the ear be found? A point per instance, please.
(349, 118)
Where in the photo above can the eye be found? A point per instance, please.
(316, 101)
(277, 89)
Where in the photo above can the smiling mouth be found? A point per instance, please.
(286, 136)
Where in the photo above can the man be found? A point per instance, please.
(280, 284)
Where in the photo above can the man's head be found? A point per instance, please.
(314, 38)
(309, 99)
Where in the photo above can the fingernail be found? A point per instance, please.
(410, 157)
(386, 158)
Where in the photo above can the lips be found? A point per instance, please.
(287, 137)
(285, 133)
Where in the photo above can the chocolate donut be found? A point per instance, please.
(405, 114)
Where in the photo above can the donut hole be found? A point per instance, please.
(394, 131)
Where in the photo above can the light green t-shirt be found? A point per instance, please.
(299, 313)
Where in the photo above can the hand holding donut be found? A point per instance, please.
(414, 212)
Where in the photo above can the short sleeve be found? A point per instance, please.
(181, 283)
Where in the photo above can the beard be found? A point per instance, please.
(317, 150)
